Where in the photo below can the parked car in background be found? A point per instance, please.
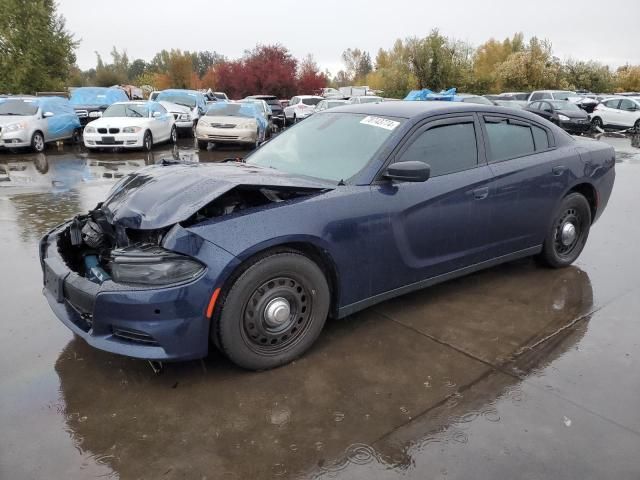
(551, 95)
(135, 124)
(216, 96)
(329, 103)
(517, 104)
(354, 206)
(90, 102)
(365, 99)
(300, 107)
(277, 111)
(35, 121)
(182, 116)
(563, 113)
(330, 92)
(520, 96)
(192, 99)
(265, 109)
(284, 102)
(469, 98)
(232, 122)
(619, 112)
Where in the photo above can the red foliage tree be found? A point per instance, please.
(310, 79)
(267, 69)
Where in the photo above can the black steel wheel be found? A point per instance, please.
(273, 312)
(568, 233)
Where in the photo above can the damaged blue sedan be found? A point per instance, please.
(351, 207)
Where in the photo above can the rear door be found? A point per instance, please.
(608, 112)
(440, 225)
(529, 178)
(628, 112)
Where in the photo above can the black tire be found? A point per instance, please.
(37, 142)
(561, 248)
(636, 126)
(173, 136)
(147, 141)
(295, 118)
(193, 129)
(596, 122)
(203, 144)
(253, 339)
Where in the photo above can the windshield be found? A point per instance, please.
(564, 105)
(331, 104)
(311, 101)
(18, 107)
(220, 96)
(232, 110)
(563, 95)
(126, 110)
(330, 146)
(184, 99)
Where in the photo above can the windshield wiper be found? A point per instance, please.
(10, 113)
(137, 114)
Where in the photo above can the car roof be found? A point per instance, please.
(411, 109)
(308, 96)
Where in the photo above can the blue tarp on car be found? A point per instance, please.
(425, 94)
(64, 120)
(97, 96)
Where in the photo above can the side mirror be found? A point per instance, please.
(47, 115)
(413, 171)
(156, 114)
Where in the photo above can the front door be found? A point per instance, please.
(440, 225)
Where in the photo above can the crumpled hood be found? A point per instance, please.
(162, 195)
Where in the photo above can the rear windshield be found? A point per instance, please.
(564, 105)
(184, 99)
(126, 110)
(18, 107)
(563, 95)
(248, 110)
(370, 99)
(311, 101)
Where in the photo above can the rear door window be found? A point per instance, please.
(508, 138)
(446, 148)
(540, 138)
(612, 103)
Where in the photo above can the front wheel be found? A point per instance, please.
(37, 142)
(568, 233)
(173, 136)
(636, 126)
(273, 312)
(596, 123)
(147, 141)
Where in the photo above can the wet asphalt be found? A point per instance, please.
(515, 372)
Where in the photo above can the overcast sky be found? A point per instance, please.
(588, 29)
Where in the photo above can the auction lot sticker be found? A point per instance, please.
(380, 122)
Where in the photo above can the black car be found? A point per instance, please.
(276, 108)
(563, 113)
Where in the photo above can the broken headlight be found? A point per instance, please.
(152, 265)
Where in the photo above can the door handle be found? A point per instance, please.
(559, 170)
(481, 193)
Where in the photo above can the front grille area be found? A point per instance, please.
(82, 113)
(111, 130)
(222, 125)
(133, 336)
(100, 142)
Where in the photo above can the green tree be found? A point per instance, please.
(36, 50)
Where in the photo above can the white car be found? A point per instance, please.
(232, 122)
(131, 125)
(300, 107)
(330, 103)
(366, 99)
(265, 109)
(617, 112)
(182, 115)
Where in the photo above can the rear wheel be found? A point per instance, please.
(37, 142)
(273, 312)
(147, 141)
(568, 233)
(173, 136)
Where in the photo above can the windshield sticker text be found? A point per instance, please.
(380, 122)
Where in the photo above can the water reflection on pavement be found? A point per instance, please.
(515, 372)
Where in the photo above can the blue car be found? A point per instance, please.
(354, 206)
(91, 102)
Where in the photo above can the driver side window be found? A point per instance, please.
(446, 148)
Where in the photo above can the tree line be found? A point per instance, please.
(37, 53)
